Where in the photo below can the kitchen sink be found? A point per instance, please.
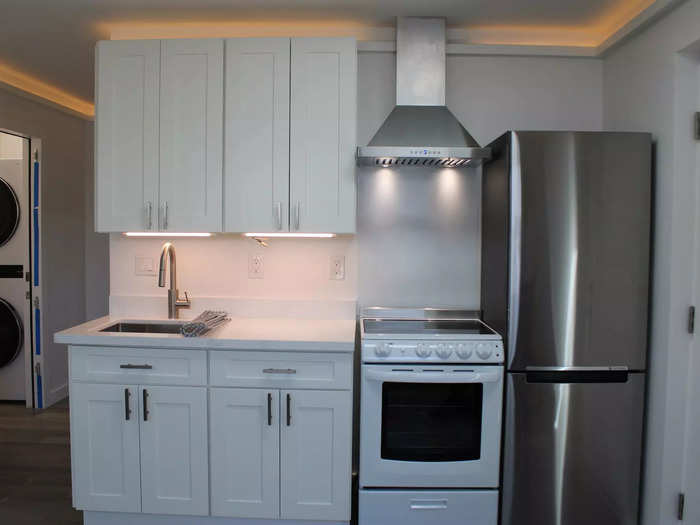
(144, 328)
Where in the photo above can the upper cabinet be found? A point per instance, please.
(256, 175)
(126, 129)
(323, 134)
(266, 146)
(191, 128)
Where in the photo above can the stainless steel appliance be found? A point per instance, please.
(431, 409)
(421, 131)
(566, 217)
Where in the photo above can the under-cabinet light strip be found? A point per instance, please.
(292, 235)
(167, 234)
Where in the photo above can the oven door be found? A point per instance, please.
(430, 426)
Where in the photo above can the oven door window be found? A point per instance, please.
(431, 421)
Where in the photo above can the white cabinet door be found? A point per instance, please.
(105, 447)
(126, 133)
(244, 452)
(256, 149)
(316, 443)
(191, 120)
(174, 452)
(323, 134)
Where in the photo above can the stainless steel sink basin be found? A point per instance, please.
(144, 328)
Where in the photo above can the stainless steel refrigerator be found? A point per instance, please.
(565, 279)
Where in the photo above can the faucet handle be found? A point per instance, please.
(183, 303)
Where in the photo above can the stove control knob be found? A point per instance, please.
(423, 351)
(444, 351)
(382, 350)
(464, 351)
(483, 351)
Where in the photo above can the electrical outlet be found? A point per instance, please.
(337, 267)
(256, 269)
(144, 266)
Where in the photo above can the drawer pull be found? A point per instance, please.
(440, 504)
(129, 366)
(279, 371)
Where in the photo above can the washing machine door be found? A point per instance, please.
(9, 212)
(11, 333)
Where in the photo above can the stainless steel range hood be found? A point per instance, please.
(421, 131)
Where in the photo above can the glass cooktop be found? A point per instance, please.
(424, 326)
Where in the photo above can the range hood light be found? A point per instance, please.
(167, 234)
(291, 235)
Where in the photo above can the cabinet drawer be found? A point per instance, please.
(138, 365)
(454, 507)
(280, 370)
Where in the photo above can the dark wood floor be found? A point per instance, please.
(35, 484)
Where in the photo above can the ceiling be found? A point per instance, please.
(50, 43)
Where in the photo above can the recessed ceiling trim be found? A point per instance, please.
(35, 89)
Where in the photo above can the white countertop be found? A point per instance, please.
(309, 335)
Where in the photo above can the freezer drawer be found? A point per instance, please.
(572, 452)
(421, 507)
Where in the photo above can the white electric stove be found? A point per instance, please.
(431, 410)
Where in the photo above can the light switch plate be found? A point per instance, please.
(144, 265)
(337, 267)
(256, 269)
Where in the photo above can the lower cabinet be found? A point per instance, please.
(140, 448)
(278, 448)
(280, 453)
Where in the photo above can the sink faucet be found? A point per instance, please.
(174, 300)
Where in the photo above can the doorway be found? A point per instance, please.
(15, 286)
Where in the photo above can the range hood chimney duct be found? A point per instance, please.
(420, 130)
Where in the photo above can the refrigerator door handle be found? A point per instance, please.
(570, 375)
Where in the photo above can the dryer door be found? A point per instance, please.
(9, 212)
(11, 333)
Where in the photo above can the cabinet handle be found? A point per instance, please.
(279, 371)
(145, 404)
(297, 207)
(149, 215)
(278, 215)
(269, 410)
(165, 215)
(129, 366)
(289, 411)
(127, 407)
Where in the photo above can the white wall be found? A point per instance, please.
(643, 86)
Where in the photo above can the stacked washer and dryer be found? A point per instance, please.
(15, 339)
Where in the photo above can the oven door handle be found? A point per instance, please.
(432, 377)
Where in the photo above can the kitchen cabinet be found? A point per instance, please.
(316, 445)
(281, 454)
(105, 447)
(290, 135)
(223, 433)
(245, 443)
(126, 134)
(139, 448)
(256, 176)
(267, 146)
(159, 127)
(323, 134)
(191, 130)
(174, 456)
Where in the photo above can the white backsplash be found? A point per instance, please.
(214, 272)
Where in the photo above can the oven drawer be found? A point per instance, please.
(280, 369)
(409, 507)
(138, 365)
